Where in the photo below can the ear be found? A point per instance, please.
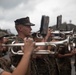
(19, 28)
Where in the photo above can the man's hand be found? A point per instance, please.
(29, 45)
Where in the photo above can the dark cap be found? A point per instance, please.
(3, 34)
(24, 21)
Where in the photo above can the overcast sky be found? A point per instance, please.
(10, 10)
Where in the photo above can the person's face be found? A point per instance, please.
(5, 40)
(26, 30)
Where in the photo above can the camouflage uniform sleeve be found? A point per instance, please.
(1, 70)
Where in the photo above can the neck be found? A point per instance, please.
(22, 36)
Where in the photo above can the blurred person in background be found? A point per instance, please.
(22, 67)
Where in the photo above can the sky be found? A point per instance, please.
(10, 10)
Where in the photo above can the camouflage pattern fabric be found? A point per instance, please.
(44, 66)
(40, 66)
(53, 65)
(5, 64)
(64, 64)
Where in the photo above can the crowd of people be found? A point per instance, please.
(30, 63)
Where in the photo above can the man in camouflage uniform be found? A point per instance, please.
(2, 50)
(4, 62)
(21, 69)
(63, 57)
(39, 65)
(23, 27)
(64, 60)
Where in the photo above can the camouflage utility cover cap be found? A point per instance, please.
(3, 34)
(24, 21)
